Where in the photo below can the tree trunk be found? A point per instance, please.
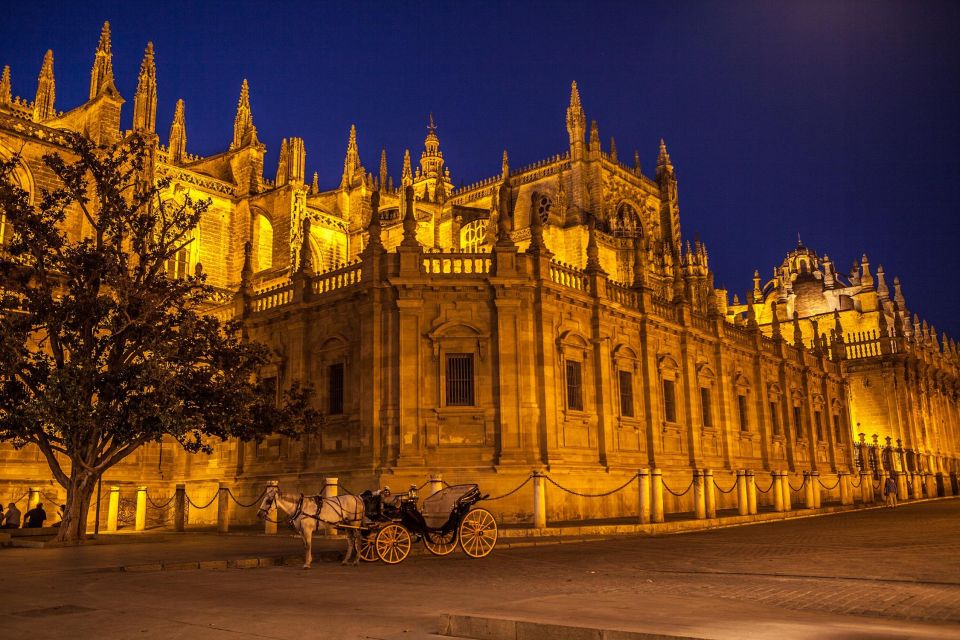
(79, 493)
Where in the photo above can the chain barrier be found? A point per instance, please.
(858, 485)
(669, 490)
(17, 501)
(55, 499)
(593, 495)
(245, 505)
(767, 490)
(212, 500)
(722, 490)
(877, 485)
(160, 507)
(793, 487)
(836, 484)
(512, 491)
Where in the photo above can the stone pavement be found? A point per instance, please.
(867, 574)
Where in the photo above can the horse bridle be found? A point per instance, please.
(298, 511)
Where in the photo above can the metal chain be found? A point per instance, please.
(17, 501)
(243, 505)
(160, 507)
(212, 500)
(669, 490)
(721, 490)
(793, 487)
(592, 495)
(837, 484)
(767, 490)
(858, 485)
(54, 499)
(512, 491)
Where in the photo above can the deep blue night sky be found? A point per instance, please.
(837, 120)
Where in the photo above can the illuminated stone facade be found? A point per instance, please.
(548, 317)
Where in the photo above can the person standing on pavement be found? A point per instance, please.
(890, 491)
(12, 519)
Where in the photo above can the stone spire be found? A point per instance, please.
(775, 321)
(373, 229)
(757, 293)
(637, 169)
(594, 145)
(505, 166)
(504, 221)
(296, 160)
(409, 220)
(6, 96)
(306, 254)
(537, 245)
(383, 169)
(898, 293)
(576, 123)
(593, 251)
(351, 161)
(883, 292)
(282, 165)
(866, 279)
(613, 149)
(244, 133)
(315, 187)
(797, 331)
(46, 91)
(145, 100)
(406, 175)
(663, 160)
(101, 77)
(177, 144)
(431, 160)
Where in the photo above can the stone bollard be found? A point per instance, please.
(787, 495)
(846, 497)
(743, 506)
(539, 501)
(179, 507)
(917, 482)
(33, 498)
(223, 508)
(777, 491)
(113, 508)
(710, 490)
(808, 500)
(656, 486)
(751, 492)
(866, 487)
(270, 521)
(436, 484)
(643, 497)
(902, 493)
(331, 489)
(815, 482)
(699, 499)
(140, 522)
(931, 485)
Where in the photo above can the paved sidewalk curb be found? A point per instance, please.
(496, 628)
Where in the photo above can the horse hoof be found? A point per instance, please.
(306, 566)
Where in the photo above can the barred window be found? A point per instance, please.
(706, 407)
(798, 422)
(742, 409)
(774, 418)
(626, 394)
(669, 401)
(818, 421)
(335, 388)
(460, 380)
(574, 386)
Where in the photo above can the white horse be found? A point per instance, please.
(306, 514)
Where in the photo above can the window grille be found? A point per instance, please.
(335, 388)
(706, 408)
(669, 401)
(626, 394)
(460, 380)
(818, 421)
(574, 386)
(798, 422)
(774, 418)
(742, 407)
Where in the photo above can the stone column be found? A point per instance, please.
(751, 492)
(902, 493)
(815, 483)
(179, 506)
(539, 501)
(113, 508)
(785, 485)
(866, 487)
(699, 499)
(33, 498)
(643, 499)
(845, 496)
(656, 482)
(270, 521)
(809, 501)
(436, 484)
(931, 486)
(743, 506)
(223, 508)
(331, 489)
(710, 490)
(140, 523)
(777, 491)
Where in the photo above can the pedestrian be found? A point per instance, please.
(61, 511)
(890, 491)
(12, 519)
(35, 517)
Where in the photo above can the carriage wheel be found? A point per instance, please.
(478, 533)
(393, 543)
(440, 544)
(368, 546)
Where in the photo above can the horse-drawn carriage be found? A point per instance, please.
(445, 519)
(384, 527)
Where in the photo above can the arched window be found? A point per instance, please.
(178, 265)
(263, 250)
(626, 223)
(544, 204)
(473, 236)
